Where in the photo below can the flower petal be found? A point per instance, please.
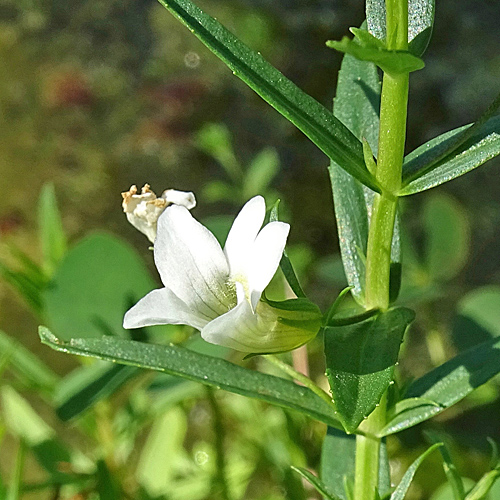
(265, 257)
(242, 235)
(269, 330)
(236, 329)
(191, 263)
(162, 307)
(183, 198)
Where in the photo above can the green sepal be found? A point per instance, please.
(450, 470)
(285, 264)
(368, 48)
(360, 360)
(314, 481)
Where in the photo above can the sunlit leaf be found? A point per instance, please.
(312, 118)
(439, 160)
(198, 367)
(448, 384)
(483, 486)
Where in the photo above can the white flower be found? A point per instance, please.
(218, 291)
(143, 209)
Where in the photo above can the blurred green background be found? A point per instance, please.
(98, 95)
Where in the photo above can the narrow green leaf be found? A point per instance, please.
(337, 461)
(390, 61)
(26, 364)
(447, 237)
(98, 280)
(32, 270)
(107, 486)
(85, 386)
(198, 367)
(24, 422)
(14, 490)
(449, 383)
(285, 263)
(420, 22)
(441, 160)
(402, 488)
(29, 291)
(261, 171)
(454, 478)
(360, 361)
(163, 450)
(215, 140)
(484, 485)
(307, 114)
(52, 236)
(316, 483)
(356, 104)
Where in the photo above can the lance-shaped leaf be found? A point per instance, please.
(307, 114)
(446, 385)
(25, 423)
(420, 22)
(356, 104)
(85, 386)
(447, 157)
(191, 365)
(360, 361)
(454, 479)
(402, 488)
(484, 486)
(52, 236)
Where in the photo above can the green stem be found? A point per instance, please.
(367, 460)
(392, 135)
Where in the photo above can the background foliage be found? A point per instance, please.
(98, 95)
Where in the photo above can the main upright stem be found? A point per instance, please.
(392, 134)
